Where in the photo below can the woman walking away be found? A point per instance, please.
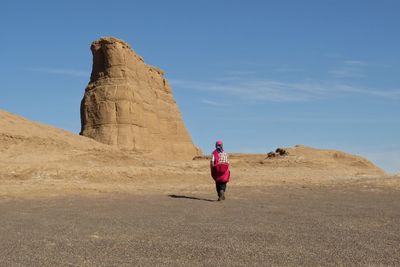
(220, 169)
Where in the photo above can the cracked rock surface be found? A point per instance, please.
(129, 104)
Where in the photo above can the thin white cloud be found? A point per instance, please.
(278, 91)
(239, 72)
(259, 90)
(275, 68)
(68, 72)
(356, 63)
(313, 120)
(350, 69)
(334, 55)
(346, 73)
(288, 69)
(213, 103)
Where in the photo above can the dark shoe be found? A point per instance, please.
(221, 195)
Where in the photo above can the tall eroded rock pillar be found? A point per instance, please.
(129, 104)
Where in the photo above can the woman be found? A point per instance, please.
(220, 169)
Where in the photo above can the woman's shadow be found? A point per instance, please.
(194, 198)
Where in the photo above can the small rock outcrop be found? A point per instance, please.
(129, 104)
(278, 152)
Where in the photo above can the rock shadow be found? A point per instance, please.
(193, 198)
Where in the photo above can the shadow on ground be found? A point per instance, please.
(193, 198)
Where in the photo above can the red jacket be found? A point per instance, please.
(220, 167)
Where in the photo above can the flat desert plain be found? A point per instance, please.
(351, 222)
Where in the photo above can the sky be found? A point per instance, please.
(256, 74)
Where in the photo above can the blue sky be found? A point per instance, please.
(256, 74)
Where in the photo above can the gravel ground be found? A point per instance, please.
(280, 225)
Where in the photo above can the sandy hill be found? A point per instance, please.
(17, 133)
(35, 155)
(30, 149)
(305, 156)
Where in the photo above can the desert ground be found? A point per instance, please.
(67, 200)
(350, 223)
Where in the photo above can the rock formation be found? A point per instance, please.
(129, 104)
(278, 152)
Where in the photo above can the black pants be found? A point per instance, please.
(220, 186)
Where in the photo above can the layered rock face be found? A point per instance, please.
(129, 104)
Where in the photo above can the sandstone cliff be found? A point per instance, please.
(129, 104)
